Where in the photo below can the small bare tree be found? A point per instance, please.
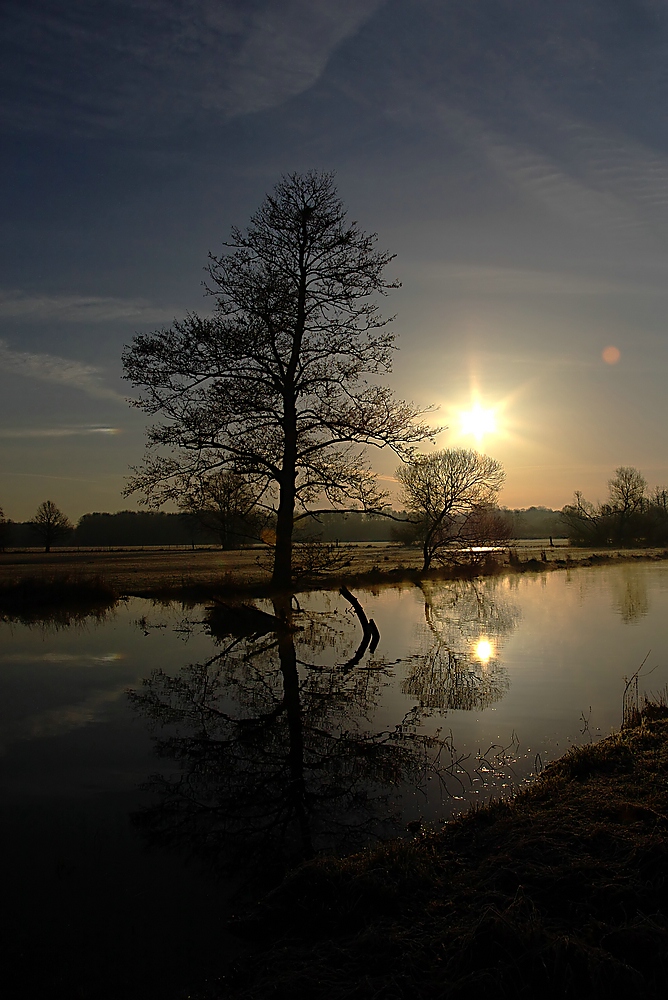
(225, 503)
(447, 491)
(5, 530)
(49, 523)
(485, 528)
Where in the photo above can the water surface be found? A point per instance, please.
(270, 747)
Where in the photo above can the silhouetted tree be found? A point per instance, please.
(626, 500)
(276, 385)
(225, 504)
(446, 491)
(5, 530)
(628, 516)
(586, 522)
(50, 524)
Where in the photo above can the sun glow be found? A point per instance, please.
(478, 422)
(484, 651)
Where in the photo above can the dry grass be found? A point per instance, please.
(199, 574)
(559, 892)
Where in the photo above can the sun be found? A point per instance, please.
(478, 422)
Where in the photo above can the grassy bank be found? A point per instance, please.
(60, 598)
(182, 574)
(558, 892)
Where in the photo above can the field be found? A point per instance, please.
(179, 569)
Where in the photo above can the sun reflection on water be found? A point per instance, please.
(483, 650)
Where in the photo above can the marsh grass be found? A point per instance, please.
(198, 576)
(558, 892)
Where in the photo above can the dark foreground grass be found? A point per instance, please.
(559, 892)
(60, 598)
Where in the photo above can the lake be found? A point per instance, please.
(130, 820)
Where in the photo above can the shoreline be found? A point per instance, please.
(558, 891)
(164, 575)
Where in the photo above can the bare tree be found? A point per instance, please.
(50, 524)
(587, 523)
(626, 499)
(446, 490)
(627, 516)
(281, 384)
(224, 503)
(5, 530)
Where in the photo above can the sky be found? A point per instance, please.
(513, 154)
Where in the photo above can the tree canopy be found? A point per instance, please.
(629, 516)
(451, 491)
(49, 523)
(284, 384)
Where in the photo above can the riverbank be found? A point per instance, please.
(558, 892)
(183, 574)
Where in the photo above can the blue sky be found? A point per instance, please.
(512, 153)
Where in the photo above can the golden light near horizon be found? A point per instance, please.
(483, 650)
(478, 422)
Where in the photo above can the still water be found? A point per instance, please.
(128, 818)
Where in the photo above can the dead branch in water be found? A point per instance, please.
(371, 636)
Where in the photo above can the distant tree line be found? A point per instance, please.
(536, 522)
(234, 530)
(125, 528)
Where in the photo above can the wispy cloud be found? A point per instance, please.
(541, 179)
(287, 48)
(55, 432)
(51, 368)
(43, 475)
(181, 62)
(61, 658)
(15, 304)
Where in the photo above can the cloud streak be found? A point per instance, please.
(499, 281)
(15, 304)
(62, 371)
(55, 432)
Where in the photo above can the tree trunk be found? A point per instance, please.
(297, 796)
(426, 555)
(282, 575)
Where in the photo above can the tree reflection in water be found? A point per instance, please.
(630, 595)
(277, 755)
(465, 623)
